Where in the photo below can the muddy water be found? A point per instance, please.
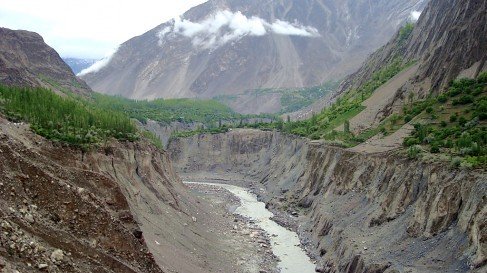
(285, 243)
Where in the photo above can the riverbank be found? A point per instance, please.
(250, 242)
(285, 244)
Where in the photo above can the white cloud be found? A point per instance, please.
(89, 28)
(285, 28)
(98, 65)
(226, 26)
(415, 15)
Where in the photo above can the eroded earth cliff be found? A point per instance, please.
(363, 212)
(116, 208)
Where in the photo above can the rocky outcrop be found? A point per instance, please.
(26, 60)
(149, 66)
(364, 213)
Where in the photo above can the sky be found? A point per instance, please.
(89, 28)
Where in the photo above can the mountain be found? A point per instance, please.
(26, 60)
(448, 41)
(77, 65)
(227, 47)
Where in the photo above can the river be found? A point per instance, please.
(284, 243)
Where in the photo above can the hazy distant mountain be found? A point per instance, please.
(225, 47)
(77, 65)
(26, 60)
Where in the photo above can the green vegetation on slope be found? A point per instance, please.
(64, 119)
(292, 99)
(168, 110)
(322, 125)
(405, 32)
(453, 124)
(349, 105)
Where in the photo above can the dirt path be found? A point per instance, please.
(378, 144)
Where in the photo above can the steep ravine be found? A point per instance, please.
(363, 212)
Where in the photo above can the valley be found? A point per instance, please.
(251, 137)
(348, 202)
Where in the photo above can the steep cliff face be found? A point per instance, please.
(119, 208)
(26, 60)
(364, 212)
(448, 41)
(228, 47)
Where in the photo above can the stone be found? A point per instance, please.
(320, 269)
(29, 218)
(137, 233)
(57, 256)
(42, 266)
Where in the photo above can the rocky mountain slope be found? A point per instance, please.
(448, 42)
(26, 60)
(450, 35)
(363, 213)
(230, 46)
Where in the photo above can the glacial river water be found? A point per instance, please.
(284, 243)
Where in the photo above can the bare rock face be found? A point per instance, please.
(303, 43)
(26, 60)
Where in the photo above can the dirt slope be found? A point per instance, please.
(119, 208)
(363, 213)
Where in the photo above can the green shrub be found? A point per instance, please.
(464, 99)
(456, 161)
(481, 109)
(405, 32)
(454, 117)
(454, 91)
(462, 121)
(442, 98)
(435, 148)
(408, 118)
(410, 141)
(414, 152)
(482, 78)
